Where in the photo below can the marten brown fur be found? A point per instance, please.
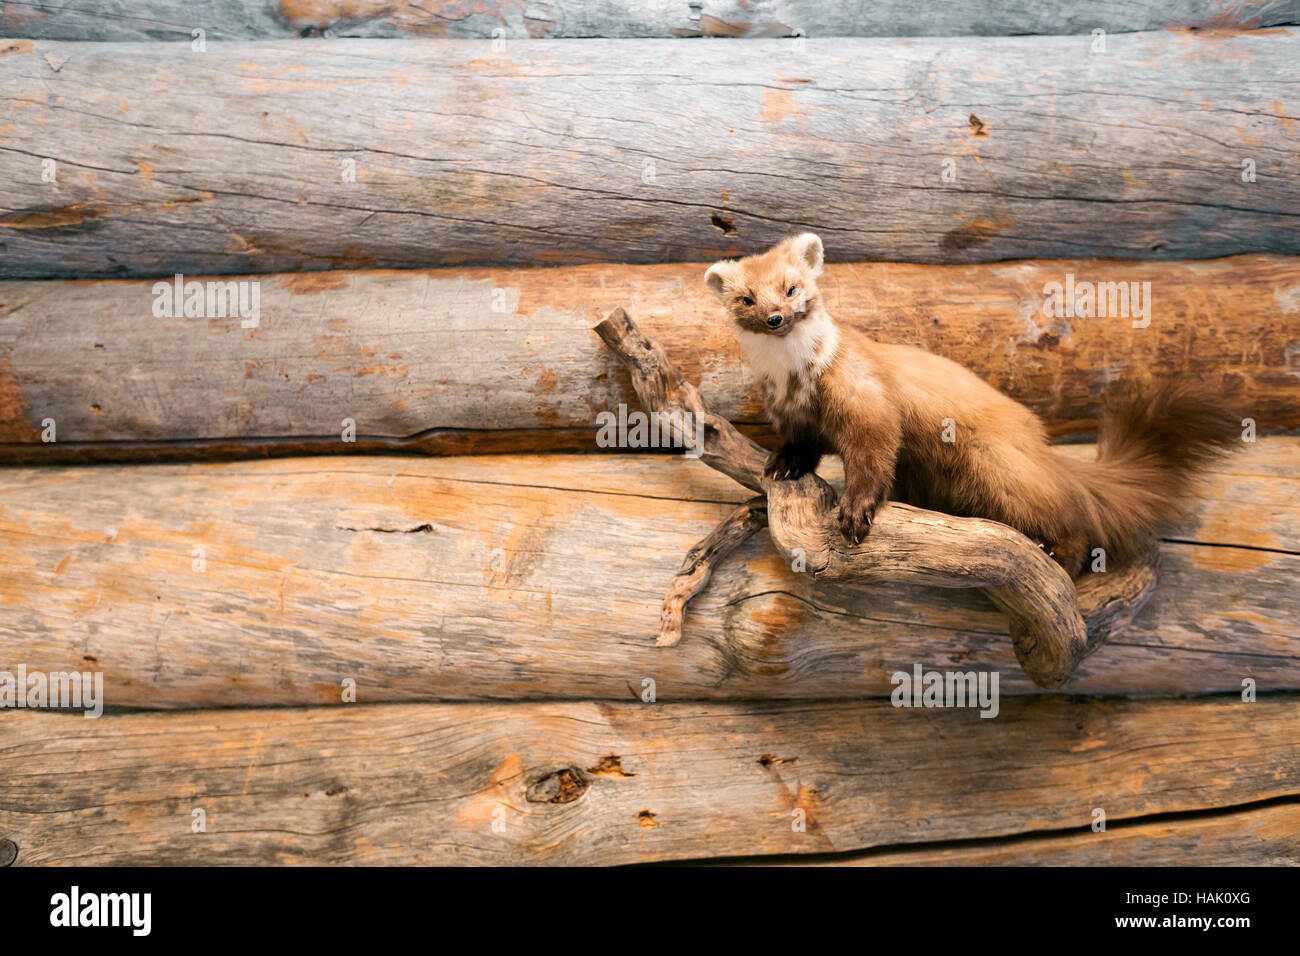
(928, 432)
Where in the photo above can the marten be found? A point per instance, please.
(923, 430)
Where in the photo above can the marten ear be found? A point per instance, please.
(807, 250)
(717, 276)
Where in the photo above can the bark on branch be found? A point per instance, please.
(1048, 626)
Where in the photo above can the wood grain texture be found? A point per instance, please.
(1254, 836)
(237, 159)
(590, 783)
(402, 353)
(484, 19)
(543, 576)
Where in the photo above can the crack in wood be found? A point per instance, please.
(1030, 838)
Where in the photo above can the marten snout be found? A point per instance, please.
(774, 321)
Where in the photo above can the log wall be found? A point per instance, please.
(494, 616)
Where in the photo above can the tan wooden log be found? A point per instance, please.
(544, 576)
(486, 19)
(284, 156)
(590, 783)
(423, 353)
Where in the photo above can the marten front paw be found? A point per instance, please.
(791, 461)
(857, 512)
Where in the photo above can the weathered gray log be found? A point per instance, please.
(588, 783)
(486, 19)
(417, 353)
(288, 156)
(271, 582)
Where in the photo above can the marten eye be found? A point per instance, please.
(747, 300)
(791, 291)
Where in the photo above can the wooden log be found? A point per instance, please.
(487, 19)
(589, 783)
(416, 353)
(543, 576)
(291, 156)
(1251, 836)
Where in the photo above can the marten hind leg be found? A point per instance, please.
(1069, 551)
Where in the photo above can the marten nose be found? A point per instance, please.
(773, 321)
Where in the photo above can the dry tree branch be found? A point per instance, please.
(700, 561)
(906, 544)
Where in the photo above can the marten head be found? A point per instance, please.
(774, 291)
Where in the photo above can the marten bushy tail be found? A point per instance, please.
(1151, 445)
